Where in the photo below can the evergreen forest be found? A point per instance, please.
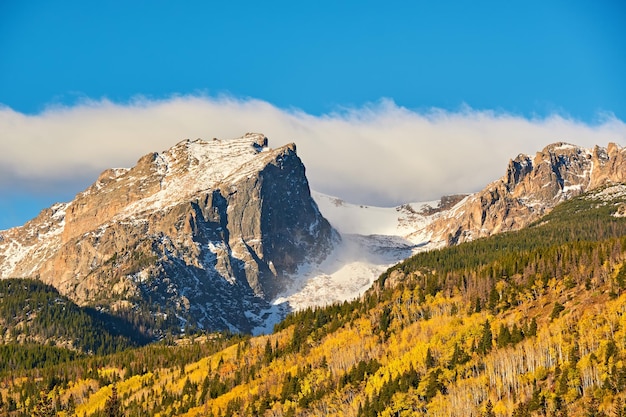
(525, 323)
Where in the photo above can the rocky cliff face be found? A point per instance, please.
(530, 188)
(208, 231)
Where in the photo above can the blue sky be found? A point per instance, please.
(526, 60)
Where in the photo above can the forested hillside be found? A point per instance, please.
(529, 323)
(33, 312)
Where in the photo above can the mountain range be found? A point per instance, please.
(226, 234)
(505, 302)
(526, 323)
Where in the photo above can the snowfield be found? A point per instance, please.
(372, 240)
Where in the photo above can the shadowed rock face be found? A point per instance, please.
(207, 230)
(530, 188)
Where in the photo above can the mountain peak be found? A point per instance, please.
(205, 229)
(162, 179)
(562, 147)
(531, 187)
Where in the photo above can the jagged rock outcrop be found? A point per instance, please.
(208, 231)
(530, 188)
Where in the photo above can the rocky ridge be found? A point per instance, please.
(210, 231)
(530, 188)
(207, 231)
(375, 238)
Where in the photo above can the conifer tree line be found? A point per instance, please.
(530, 323)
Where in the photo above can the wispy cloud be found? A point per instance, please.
(377, 154)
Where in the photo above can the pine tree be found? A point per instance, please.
(493, 300)
(516, 335)
(521, 410)
(268, 354)
(113, 406)
(556, 310)
(532, 328)
(430, 360)
(71, 404)
(478, 308)
(434, 385)
(489, 410)
(618, 408)
(486, 340)
(504, 336)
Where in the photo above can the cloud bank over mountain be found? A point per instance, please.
(378, 154)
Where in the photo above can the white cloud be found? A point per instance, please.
(378, 154)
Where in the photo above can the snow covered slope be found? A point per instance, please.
(369, 220)
(373, 239)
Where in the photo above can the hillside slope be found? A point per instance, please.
(32, 312)
(522, 323)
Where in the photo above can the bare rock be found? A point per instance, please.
(530, 188)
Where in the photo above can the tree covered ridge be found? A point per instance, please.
(522, 324)
(582, 231)
(31, 311)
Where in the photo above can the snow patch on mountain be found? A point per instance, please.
(193, 166)
(373, 239)
(402, 221)
(48, 230)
